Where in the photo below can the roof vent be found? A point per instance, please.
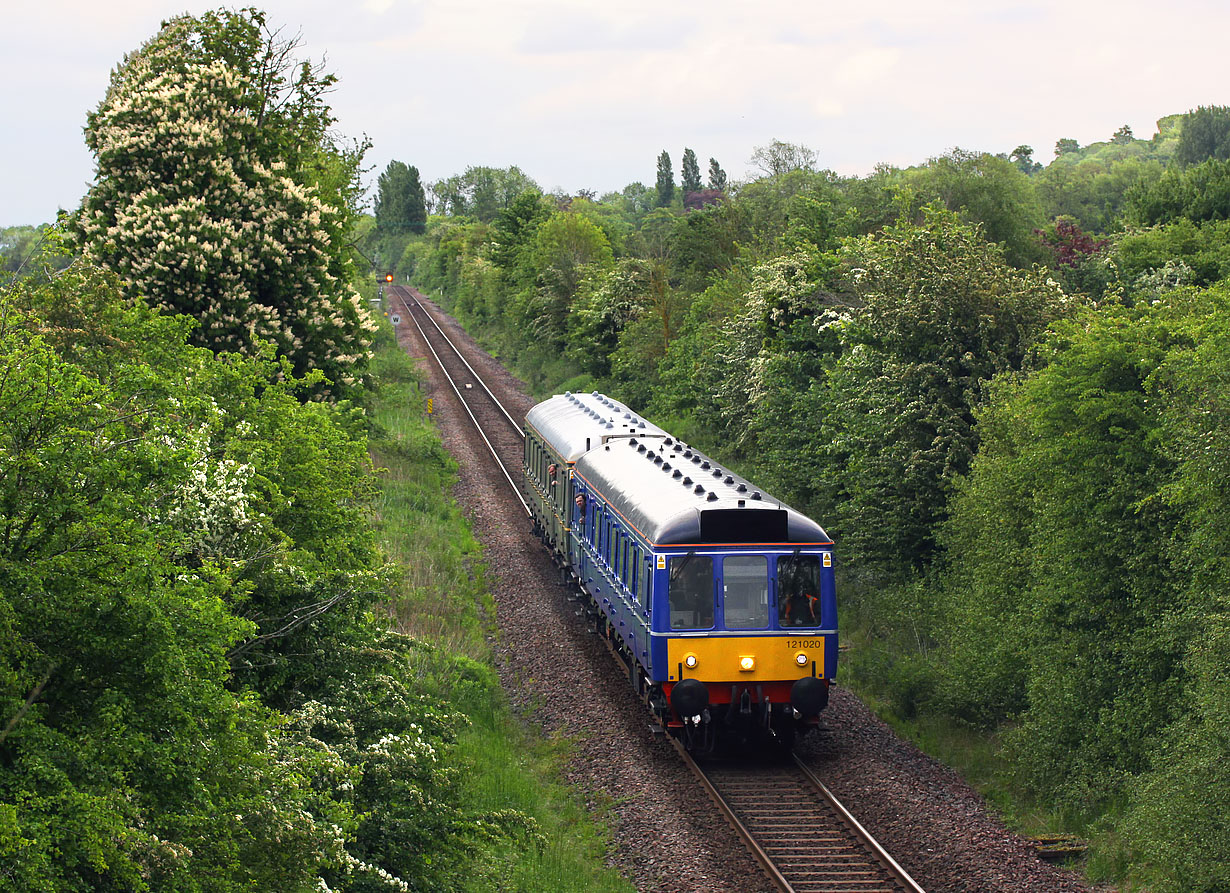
(668, 442)
(568, 394)
(641, 425)
(696, 460)
(687, 454)
(712, 497)
(717, 472)
(705, 466)
(641, 448)
(677, 474)
(687, 482)
(755, 494)
(666, 466)
(729, 480)
(698, 489)
(742, 488)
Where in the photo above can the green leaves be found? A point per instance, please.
(220, 195)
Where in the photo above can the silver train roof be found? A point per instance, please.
(675, 495)
(576, 423)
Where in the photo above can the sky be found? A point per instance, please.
(585, 95)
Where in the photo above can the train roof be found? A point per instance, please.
(575, 423)
(675, 495)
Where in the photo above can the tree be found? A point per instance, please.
(1205, 135)
(400, 201)
(690, 181)
(780, 158)
(666, 180)
(221, 195)
(1198, 193)
(1123, 136)
(481, 192)
(717, 176)
(1023, 157)
(1066, 146)
(986, 189)
(942, 315)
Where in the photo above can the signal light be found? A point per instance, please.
(388, 277)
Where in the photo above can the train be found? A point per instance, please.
(719, 598)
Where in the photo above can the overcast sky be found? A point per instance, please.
(584, 95)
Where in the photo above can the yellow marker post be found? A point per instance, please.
(429, 406)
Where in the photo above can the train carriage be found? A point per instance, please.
(720, 598)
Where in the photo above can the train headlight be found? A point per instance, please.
(801, 659)
(747, 663)
(690, 661)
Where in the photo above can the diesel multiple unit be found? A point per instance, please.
(719, 597)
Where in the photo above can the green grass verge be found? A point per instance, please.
(441, 596)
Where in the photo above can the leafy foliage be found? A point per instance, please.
(690, 181)
(400, 201)
(666, 180)
(480, 192)
(220, 195)
(1197, 193)
(1205, 135)
(942, 314)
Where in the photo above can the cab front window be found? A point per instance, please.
(690, 591)
(798, 591)
(745, 591)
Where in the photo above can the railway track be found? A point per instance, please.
(477, 400)
(803, 838)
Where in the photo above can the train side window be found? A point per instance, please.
(634, 571)
(647, 581)
(798, 591)
(690, 591)
(745, 591)
(624, 549)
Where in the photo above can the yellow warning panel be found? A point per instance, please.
(723, 658)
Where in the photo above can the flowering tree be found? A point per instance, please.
(220, 195)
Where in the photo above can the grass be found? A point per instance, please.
(440, 594)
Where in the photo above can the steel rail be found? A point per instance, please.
(464, 405)
(766, 861)
(515, 424)
(881, 854)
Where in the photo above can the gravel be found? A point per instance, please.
(666, 835)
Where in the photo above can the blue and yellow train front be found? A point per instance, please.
(746, 641)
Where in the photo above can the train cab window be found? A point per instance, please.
(798, 591)
(745, 591)
(691, 591)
